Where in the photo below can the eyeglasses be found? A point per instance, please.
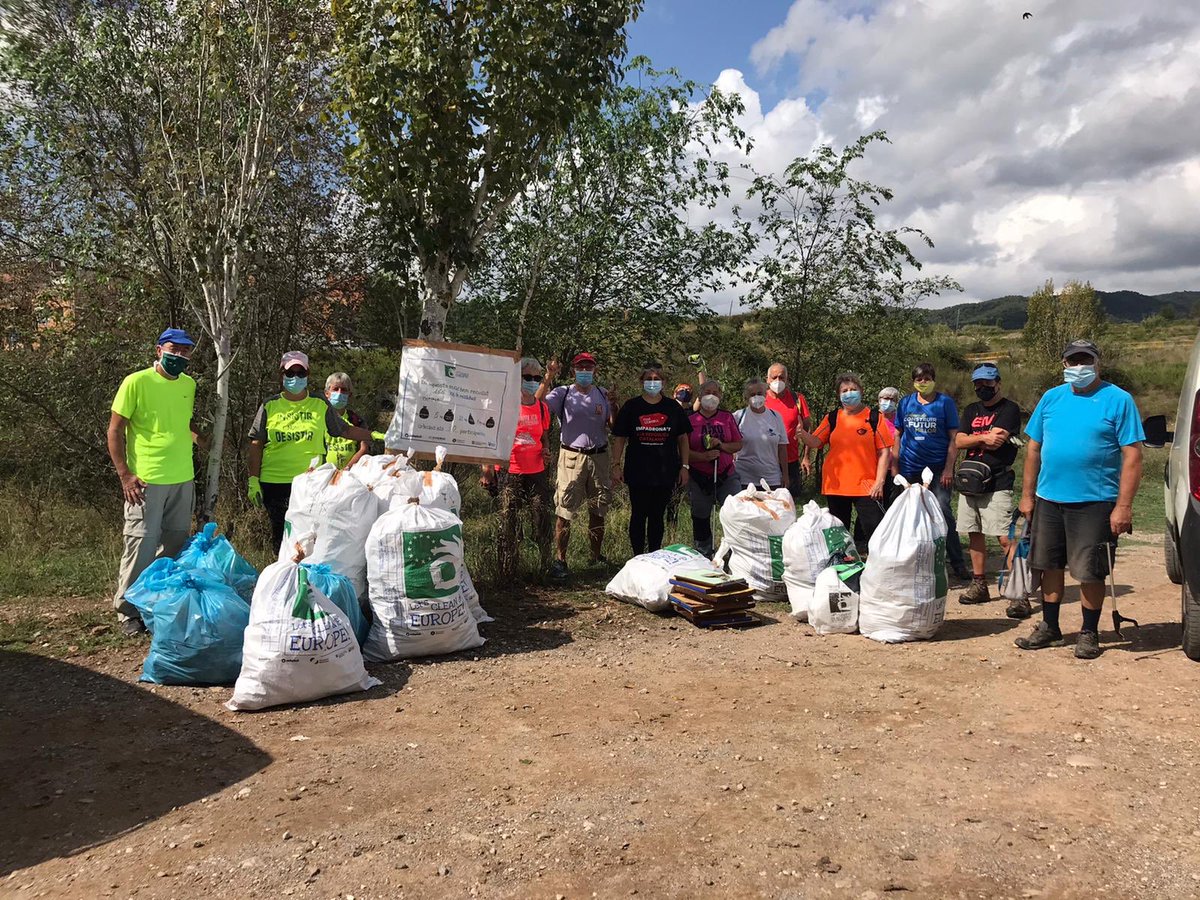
(295, 372)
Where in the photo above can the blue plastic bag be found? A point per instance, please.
(340, 590)
(196, 623)
(209, 550)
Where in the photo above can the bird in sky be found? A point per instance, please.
(1027, 15)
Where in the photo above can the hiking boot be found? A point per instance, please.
(558, 571)
(1019, 609)
(1041, 637)
(133, 627)
(1087, 645)
(976, 592)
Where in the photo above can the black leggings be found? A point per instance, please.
(870, 513)
(647, 509)
(275, 499)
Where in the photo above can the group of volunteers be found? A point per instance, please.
(1082, 467)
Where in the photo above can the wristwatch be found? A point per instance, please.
(686, 466)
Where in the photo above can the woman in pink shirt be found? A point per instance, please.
(714, 439)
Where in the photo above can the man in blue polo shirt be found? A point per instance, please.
(926, 427)
(1082, 470)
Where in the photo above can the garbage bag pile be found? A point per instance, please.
(209, 550)
(815, 542)
(646, 579)
(754, 522)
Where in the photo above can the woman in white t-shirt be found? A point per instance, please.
(764, 439)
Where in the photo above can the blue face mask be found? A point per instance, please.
(852, 398)
(651, 387)
(1079, 376)
(338, 399)
(295, 384)
(530, 385)
(887, 406)
(584, 376)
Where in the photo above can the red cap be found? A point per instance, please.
(583, 357)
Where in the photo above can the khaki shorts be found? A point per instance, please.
(582, 477)
(985, 513)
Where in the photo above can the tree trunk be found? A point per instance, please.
(438, 290)
(219, 422)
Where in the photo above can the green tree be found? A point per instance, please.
(454, 108)
(836, 287)
(1056, 319)
(602, 253)
(164, 141)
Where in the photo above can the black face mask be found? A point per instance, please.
(683, 397)
(985, 393)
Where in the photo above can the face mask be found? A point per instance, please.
(924, 388)
(338, 399)
(1079, 376)
(709, 402)
(758, 401)
(985, 393)
(887, 406)
(584, 376)
(851, 398)
(683, 397)
(295, 384)
(173, 364)
(777, 385)
(530, 385)
(653, 388)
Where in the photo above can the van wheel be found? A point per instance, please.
(1171, 556)
(1191, 624)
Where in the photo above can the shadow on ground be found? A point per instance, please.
(88, 757)
(964, 629)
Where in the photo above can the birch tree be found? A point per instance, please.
(160, 136)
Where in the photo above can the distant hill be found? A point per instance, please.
(1121, 306)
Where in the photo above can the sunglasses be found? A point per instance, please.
(295, 372)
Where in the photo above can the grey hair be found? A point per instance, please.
(338, 378)
(781, 365)
(844, 378)
(750, 384)
(893, 393)
(530, 362)
(711, 385)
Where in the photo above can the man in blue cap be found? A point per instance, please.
(985, 501)
(150, 437)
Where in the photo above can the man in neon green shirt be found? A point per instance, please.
(150, 437)
(287, 434)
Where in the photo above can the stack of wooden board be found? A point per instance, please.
(711, 599)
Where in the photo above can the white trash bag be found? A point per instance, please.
(816, 541)
(646, 578)
(904, 586)
(833, 601)
(754, 522)
(339, 509)
(298, 646)
(376, 473)
(414, 570)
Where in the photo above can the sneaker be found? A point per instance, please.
(602, 561)
(1019, 609)
(133, 627)
(1087, 645)
(558, 571)
(976, 592)
(1041, 637)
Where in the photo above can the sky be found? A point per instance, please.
(1065, 145)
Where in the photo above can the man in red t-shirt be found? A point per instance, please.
(792, 406)
(525, 483)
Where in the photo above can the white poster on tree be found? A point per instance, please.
(461, 397)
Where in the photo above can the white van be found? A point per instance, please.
(1181, 543)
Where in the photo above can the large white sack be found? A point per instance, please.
(339, 509)
(478, 613)
(298, 646)
(414, 569)
(903, 588)
(753, 522)
(816, 541)
(833, 604)
(376, 473)
(646, 579)
(434, 489)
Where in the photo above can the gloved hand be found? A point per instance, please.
(254, 492)
(378, 435)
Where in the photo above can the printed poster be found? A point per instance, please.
(461, 397)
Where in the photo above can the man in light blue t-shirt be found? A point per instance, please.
(926, 427)
(1082, 471)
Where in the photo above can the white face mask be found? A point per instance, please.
(758, 401)
(709, 402)
(778, 385)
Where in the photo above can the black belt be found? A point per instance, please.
(588, 452)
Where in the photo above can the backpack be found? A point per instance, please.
(872, 417)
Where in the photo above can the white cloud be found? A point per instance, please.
(1066, 145)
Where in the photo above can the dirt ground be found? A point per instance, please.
(593, 749)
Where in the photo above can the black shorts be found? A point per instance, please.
(1073, 536)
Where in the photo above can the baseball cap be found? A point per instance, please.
(175, 336)
(583, 357)
(1082, 347)
(294, 357)
(986, 372)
